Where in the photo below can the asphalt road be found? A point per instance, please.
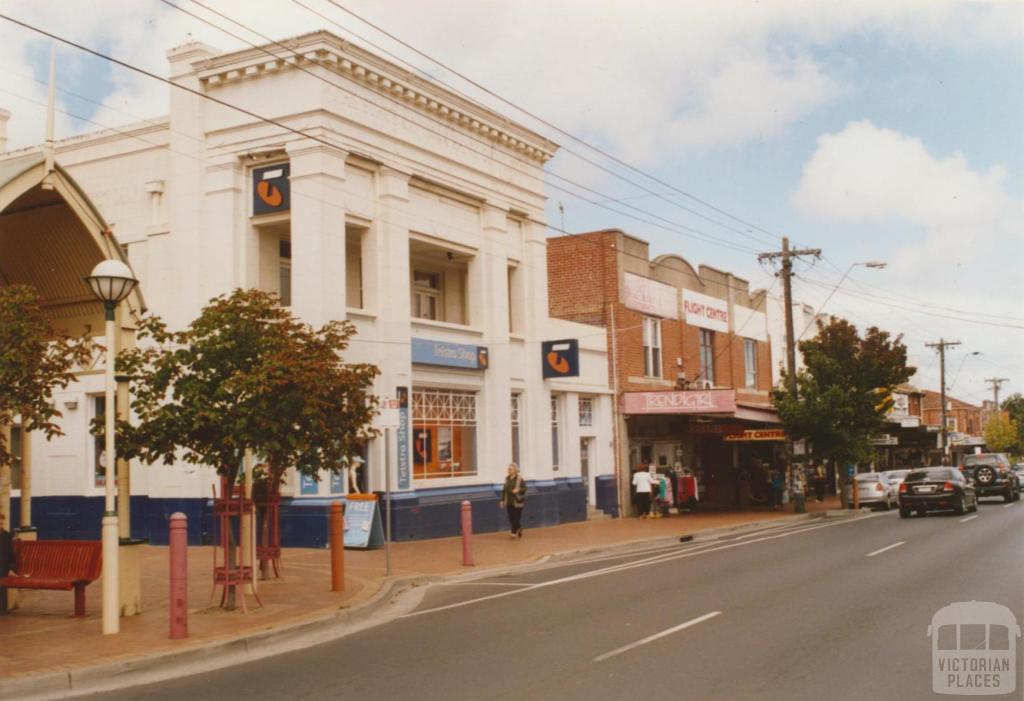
(819, 610)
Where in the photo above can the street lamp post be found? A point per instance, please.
(111, 281)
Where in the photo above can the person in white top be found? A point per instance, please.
(643, 481)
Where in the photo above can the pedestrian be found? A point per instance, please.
(513, 499)
(6, 559)
(642, 482)
(777, 486)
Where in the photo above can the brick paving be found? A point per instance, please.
(41, 636)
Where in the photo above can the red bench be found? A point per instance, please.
(56, 564)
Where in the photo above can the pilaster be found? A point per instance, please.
(317, 231)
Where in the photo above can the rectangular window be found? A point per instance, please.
(750, 362)
(443, 433)
(426, 295)
(99, 453)
(284, 255)
(515, 428)
(707, 355)
(652, 347)
(554, 433)
(586, 411)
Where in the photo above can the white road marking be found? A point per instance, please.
(1007, 506)
(628, 566)
(656, 636)
(483, 584)
(887, 547)
(969, 518)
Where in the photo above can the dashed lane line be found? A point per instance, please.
(656, 636)
(887, 547)
(969, 518)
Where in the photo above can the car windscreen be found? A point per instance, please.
(931, 474)
(972, 460)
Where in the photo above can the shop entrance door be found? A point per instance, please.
(585, 466)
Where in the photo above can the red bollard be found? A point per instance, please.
(467, 534)
(178, 603)
(337, 547)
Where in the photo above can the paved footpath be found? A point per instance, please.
(41, 642)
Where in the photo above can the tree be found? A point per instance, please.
(246, 375)
(1014, 407)
(1001, 433)
(843, 393)
(35, 360)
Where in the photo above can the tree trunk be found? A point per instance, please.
(5, 481)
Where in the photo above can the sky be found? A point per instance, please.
(881, 130)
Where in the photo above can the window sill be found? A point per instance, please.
(445, 325)
(356, 313)
(653, 381)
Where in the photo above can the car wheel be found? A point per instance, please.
(904, 513)
(960, 507)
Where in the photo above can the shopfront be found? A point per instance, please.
(730, 447)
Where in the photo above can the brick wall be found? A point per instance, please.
(583, 277)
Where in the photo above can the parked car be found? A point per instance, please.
(875, 489)
(992, 475)
(896, 477)
(937, 489)
(1018, 469)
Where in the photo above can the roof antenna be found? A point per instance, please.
(50, 106)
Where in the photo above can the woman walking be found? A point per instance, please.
(513, 498)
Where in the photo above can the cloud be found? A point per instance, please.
(638, 79)
(866, 174)
(952, 234)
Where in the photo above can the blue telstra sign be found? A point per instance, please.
(452, 355)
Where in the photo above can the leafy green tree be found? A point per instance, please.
(1001, 434)
(35, 360)
(1014, 406)
(246, 375)
(843, 391)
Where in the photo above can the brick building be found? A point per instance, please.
(689, 360)
(965, 422)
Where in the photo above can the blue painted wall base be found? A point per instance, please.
(417, 515)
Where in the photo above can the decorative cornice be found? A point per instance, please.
(339, 56)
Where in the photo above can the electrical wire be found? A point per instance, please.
(765, 233)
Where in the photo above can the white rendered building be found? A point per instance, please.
(380, 198)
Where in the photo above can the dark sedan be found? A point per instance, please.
(936, 489)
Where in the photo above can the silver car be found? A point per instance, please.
(875, 489)
(896, 477)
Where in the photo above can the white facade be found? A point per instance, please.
(414, 214)
(803, 328)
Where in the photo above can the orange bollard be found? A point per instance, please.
(178, 603)
(467, 534)
(337, 547)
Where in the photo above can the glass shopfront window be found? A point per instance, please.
(443, 433)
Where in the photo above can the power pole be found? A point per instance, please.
(996, 383)
(787, 255)
(942, 345)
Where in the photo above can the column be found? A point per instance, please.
(181, 294)
(224, 221)
(488, 310)
(537, 447)
(317, 231)
(386, 294)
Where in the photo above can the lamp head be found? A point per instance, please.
(879, 264)
(111, 281)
